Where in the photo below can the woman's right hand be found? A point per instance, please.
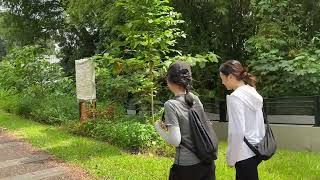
(160, 125)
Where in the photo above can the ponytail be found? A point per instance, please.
(235, 68)
(249, 79)
(189, 98)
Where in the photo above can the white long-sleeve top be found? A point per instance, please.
(172, 136)
(245, 120)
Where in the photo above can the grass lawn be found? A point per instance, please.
(108, 162)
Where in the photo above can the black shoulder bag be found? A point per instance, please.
(267, 147)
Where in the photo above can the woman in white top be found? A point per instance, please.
(245, 119)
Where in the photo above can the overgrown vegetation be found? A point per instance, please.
(133, 42)
(33, 87)
(284, 52)
(113, 126)
(128, 134)
(266, 35)
(105, 161)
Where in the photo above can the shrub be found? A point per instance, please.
(110, 110)
(130, 135)
(27, 71)
(9, 101)
(16, 103)
(56, 109)
(51, 109)
(27, 104)
(33, 87)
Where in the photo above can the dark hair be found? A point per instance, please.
(235, 68)
(179, 73)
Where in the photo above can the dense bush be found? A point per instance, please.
(51, 109)
(56, 109)
(288, 73)
(129, 132)
(130, 135)
(15, 103)
(27, 71)
(33, 87)
(134, 42)
(9, 101)
(110, 110)
(284, 52)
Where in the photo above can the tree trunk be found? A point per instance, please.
(152, 92)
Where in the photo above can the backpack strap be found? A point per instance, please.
(186, 145)
(182, 143)
(265, 117)
(251, 146)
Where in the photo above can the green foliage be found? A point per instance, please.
(121, 79)
(28, 23)
(19, 104)
(150, 27)
(149, 32)
(50, 109)
(294, 75)
(3, 49)
(27, 70)
(285, 52)
(136, 66)
(33, 87)
(220, 26)
(26, 105)
(118, 78)
(55, 109)
(112, 110)
(9, 101)
(197, 60)
(126, 134)
(86, 30)
(103, 160)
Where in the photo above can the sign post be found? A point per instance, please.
(86, 88)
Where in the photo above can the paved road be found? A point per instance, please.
(19, 161)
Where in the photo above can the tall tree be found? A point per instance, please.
(3, 50)
(148, 33)
(86, 30)
(284, 52)
(25, 22)
(219, 26)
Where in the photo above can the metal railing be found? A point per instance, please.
(283, 110)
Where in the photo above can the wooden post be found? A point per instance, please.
(87, 112)
(83, 111)
(94, 108)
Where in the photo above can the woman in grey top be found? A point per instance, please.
(176, 126)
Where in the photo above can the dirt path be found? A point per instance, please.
(19, 161)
